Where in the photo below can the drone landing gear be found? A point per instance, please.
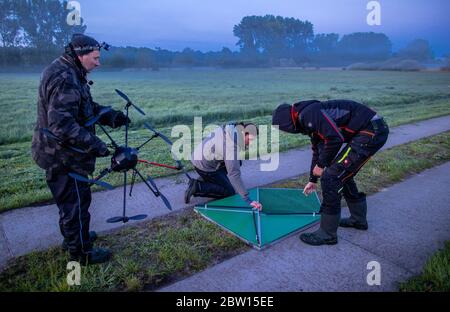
(124, 218)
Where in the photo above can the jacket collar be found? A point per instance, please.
(76, 65)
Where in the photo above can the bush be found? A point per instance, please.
(391, 64)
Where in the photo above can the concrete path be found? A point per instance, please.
(408, 222)
(36, 228)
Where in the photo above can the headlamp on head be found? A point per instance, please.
(82, 44)
(105, 46)
(89, 49)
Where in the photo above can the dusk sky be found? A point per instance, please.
(208, 24)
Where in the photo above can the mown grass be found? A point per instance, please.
(175, 96)
(435, 276)
(154, 253)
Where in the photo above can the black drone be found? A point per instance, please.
(124, 159)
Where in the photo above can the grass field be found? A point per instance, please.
(163, 250)
(175, 96)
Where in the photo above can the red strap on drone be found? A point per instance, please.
(157, 164)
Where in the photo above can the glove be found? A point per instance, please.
(121, 120)
(102, 151)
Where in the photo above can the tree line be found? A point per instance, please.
(34, 32)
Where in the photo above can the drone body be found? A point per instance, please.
(124, 159)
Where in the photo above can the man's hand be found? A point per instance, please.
(317, 171)
(101, 150)
(121, 120)
(103, 153)
(256, 205)
(309, 188)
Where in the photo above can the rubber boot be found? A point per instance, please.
(358, 214)
(92, 237)
(326, 234)
(190, 191)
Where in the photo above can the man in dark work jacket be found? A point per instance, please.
(330, 124)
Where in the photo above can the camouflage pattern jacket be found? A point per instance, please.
(64, 105)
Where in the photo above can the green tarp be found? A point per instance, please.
(284, 212)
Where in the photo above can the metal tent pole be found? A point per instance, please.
(259, 230)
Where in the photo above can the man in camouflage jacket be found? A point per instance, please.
(64, 106)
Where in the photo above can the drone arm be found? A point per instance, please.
(155, 192)
(142, 145)
(109, 137)
(133, 179)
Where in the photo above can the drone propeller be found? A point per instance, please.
(126, 219)
(94, 119)
(95, 181)
(163, 198)
(53, 137)
(126, 98)
(154, 189)
(150, 180)
(123, 95)
(166, 201)
(162, 136)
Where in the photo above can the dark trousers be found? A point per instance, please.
(214, 184)
(337, 180)
(73, 199)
